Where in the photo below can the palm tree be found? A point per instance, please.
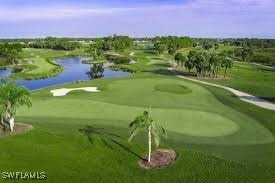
(226, 63)
(188, 65)
(178, 57)
(246, 53)
(145, 122)
(12, 97)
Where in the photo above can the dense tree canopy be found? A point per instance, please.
(11, 52)
(171, 43)
(256, 43)
(117, 43)
(96, 50)
(243, 53)
(55, 44)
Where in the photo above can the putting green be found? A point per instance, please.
(173, 88)
(203, 124)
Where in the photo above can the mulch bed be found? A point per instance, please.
(159, 159)
(18, 128)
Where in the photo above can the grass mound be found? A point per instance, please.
(173, 88)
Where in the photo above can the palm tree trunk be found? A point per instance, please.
(11, 121)
(149, 144)
(149, 137)
(2, 119)
(225, 72)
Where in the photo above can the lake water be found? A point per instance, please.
(75, 70)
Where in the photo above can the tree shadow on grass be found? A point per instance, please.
(271, 99)
(107, 138)
(164, 72)
(167, 72)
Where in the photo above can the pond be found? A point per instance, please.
(74, 71)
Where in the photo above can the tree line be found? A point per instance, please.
(55, 44)
(253, 42)
(171, 44)
(116, 43)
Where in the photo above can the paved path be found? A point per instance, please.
(241, 95)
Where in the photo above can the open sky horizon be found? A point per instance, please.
(137, 18)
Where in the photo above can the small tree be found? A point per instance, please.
(96, 71)
(145, 122)
(246, 53)
(12, 97)
(226, 64)
(189, 65)
(207, 46)
(216, 46)
(96, 50)
(178, 57)
(160, 47)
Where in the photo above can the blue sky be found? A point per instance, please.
(90, 18)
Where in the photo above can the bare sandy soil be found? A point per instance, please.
(18, 129)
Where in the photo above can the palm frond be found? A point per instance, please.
(158, 131)
(134, 132)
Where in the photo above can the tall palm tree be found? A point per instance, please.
(226, 64)
(246, 53)
(145, 122)
(12, 97)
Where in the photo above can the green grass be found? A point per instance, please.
(41, 65)
(218, 137)
(94, 61)
(255, 80)
(172, 88)
(38, 68)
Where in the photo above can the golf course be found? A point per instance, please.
(217, 136)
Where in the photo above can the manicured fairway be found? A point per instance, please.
(37, 63)
(156, 60)
(123, 99)
(218, 138)
(41, 65)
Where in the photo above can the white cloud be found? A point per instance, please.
(193, 8)
(212, 18)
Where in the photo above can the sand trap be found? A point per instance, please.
(132, 62)
(65, 91)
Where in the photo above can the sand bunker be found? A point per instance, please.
(65, 91)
